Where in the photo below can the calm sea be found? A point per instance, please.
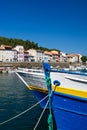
(16, 98)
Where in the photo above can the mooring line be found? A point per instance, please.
(41, 115)
(23, 111)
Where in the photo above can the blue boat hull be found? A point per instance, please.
(70, 112)
(39, 96)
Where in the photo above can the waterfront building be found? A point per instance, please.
(31, 58)
(26, 56)
(47, 56)
(55, 56)
(35, 55)
(39, 55)
(15, 56)
(6, 47)
(80, 61)
(73, 58)
(7, 54)
(63, 57)
(32, 55)
(20, 53)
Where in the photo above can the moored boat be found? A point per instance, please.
(69, 108)
(69, 100)
(34, 79)
(69, 103)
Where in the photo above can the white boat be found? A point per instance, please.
(33, 77)
(68, 99)
(68, 79)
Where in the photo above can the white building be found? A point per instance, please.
(80, 58)
(32, 55)
(63, 57)
(37, 55)
(47, 56)
(14, 54)
(20, 53)
(55, 56)
(73, 58)
(7, 54)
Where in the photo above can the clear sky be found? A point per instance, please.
(60, 24)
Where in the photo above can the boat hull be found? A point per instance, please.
(33, 79)
(40, 94)
(69, 101)
(70, 112)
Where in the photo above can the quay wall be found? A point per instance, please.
(31, 64)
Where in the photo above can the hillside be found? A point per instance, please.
(25, 43)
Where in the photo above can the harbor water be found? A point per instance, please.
(16, 98)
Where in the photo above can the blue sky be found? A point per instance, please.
(60, 24)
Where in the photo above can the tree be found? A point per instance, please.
(84, 59)
(25, 43)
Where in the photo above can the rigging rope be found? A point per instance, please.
(41, 115)
(22, 79)
(24, 111)
(48, 82)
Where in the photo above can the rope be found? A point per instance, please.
(23, 111)
(49, 86)
(42, 112)
(41, 115)
(22, 79)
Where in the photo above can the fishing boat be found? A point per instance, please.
(69, 108)
(34, 79)
(68, 100)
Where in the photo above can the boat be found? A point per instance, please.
(34, 79)
(69, 100)
(68, 97)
